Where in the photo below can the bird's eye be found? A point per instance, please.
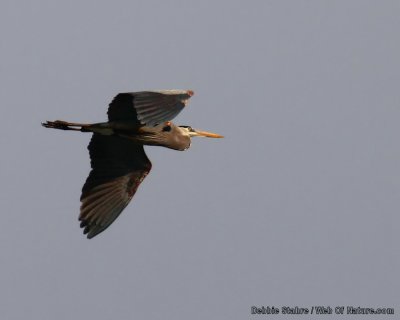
(166, 128)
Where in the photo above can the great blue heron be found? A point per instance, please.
(119, 163)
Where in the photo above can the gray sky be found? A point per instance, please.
(297, 206)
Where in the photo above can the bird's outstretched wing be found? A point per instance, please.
(118, 167)
(148, 108)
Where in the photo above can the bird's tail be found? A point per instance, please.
(63, 125)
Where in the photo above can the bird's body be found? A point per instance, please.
(119, 163)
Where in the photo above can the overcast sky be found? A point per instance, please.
(297, 206)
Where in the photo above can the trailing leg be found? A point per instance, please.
(63, 125)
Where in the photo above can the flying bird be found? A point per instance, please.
(119, 163)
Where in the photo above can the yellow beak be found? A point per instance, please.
(206, 134)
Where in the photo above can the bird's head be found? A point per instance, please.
(171, 136)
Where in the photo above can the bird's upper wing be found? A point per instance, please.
(118, 167)
(148, 108)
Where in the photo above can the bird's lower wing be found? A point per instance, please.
(118, 167)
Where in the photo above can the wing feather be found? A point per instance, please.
(118, 167)
(148, 108)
